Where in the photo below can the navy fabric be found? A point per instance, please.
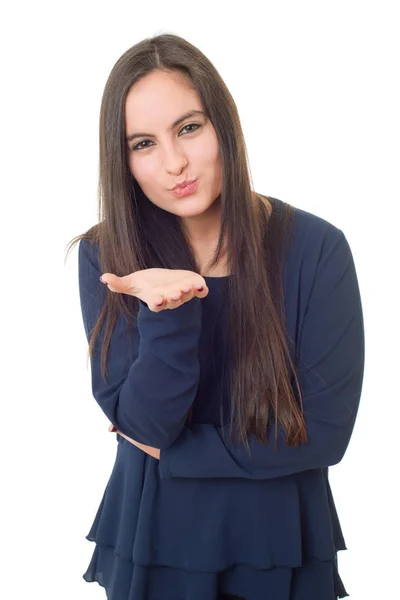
(208, 519)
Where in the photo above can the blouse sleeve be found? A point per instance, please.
(152, 377)
(330, 372)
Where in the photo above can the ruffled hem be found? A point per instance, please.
(190, 524)
(124, 580)
(220, 536)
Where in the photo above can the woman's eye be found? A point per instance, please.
(137, 147)
(191, 125)
(140, 147)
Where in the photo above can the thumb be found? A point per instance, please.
(114, 283)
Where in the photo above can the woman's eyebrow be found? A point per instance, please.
(187, 115)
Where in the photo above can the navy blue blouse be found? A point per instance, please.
(208, 518)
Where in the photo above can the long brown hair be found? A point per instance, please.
(133, 234)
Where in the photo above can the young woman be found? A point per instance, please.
(226, 340)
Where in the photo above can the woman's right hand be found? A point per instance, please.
(160, 289)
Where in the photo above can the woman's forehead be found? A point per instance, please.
(161, 100)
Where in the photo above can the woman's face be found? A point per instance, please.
(168, 154)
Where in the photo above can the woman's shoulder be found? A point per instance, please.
(312, 233)
(314, 241)
(89, 244)
(305, 220)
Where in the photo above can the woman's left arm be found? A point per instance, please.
(330, 372)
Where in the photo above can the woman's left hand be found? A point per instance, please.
(154, 452)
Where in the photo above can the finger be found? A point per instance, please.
(119, 285)
(175, 296)
(187, 295)
(201, 291)
(113, 282)
(160, 303)
(172, 298)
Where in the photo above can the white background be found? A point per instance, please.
(317, 88)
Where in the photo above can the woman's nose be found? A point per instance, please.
(174, 161)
